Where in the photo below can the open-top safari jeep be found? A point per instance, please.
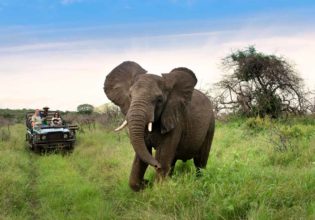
(48, 137)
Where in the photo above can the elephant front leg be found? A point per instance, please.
(136, 181)
(166, 162)
(166, 153)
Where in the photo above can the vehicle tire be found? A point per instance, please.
(34, 148)
(70, 148)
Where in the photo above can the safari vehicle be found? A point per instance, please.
(48, 137)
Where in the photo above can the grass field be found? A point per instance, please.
(258, 169)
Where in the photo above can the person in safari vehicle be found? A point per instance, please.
(36, 120)
(56, 120)
(44, 116)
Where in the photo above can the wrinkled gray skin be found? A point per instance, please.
(183, 120)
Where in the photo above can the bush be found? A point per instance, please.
(286, 137)
(5, 134)
(13, 115)
(107, 119)
(257, 124)
(85, 109)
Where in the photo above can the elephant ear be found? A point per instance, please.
(180, 83)
(119, 81)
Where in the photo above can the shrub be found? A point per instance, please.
(85, 109)
(285, 137)
(257, 124)
(5, 134)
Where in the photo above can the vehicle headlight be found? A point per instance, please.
(65, 136)
(43, 137)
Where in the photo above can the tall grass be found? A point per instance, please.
(247, 177)
(15, 177)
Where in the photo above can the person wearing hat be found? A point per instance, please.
(44, 115)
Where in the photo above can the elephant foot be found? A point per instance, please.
(198, 172)
(137, 186)
(161, 176)
(144, 183)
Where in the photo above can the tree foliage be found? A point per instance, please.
(85, 109)
(260, 84)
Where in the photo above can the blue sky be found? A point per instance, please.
(73, 19)
(98, 12)
(80, 41)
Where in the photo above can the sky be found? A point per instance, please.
(58, 52)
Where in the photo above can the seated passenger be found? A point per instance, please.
(56, 120)
(36, 119)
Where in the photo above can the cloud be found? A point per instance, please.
(64, 74)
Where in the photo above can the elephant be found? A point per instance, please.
(162, 112)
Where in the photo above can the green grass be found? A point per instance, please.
(247, 177)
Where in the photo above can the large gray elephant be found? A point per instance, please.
(162, 112)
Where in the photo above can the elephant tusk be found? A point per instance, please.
(124, 124)
(150, 127)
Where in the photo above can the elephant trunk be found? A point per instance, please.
(137, 121)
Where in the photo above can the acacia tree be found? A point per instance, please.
(85, 109)
(260, 84)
